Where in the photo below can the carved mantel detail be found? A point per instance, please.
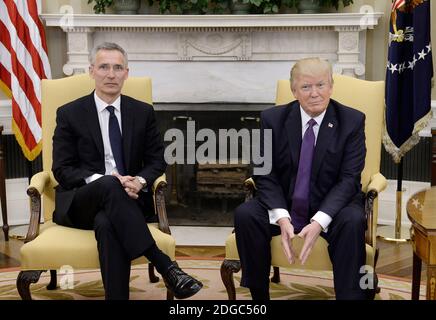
(215, 45)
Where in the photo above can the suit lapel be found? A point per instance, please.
(293, 131)
(127, 117)
(90, 109)
(325, 135)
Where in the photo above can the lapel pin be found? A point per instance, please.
(330, 125)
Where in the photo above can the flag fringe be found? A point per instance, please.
(398, 153)
(29, 154)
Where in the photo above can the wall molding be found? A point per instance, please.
(17, 202)
(387, 201)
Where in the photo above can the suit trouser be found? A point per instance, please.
(120, 229)
(346, 238)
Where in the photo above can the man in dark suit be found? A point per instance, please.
(313, 189)
(106, 155)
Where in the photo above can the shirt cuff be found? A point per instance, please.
(276, 214)
(92, 178)
(323, 219)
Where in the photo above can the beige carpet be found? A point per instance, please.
(295, 284)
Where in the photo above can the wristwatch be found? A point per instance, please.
(142, 181)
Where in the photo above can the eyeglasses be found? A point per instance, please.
(117, 68)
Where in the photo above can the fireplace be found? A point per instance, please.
(200, 192)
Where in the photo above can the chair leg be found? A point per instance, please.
(151, 274)
(228, 268)
(276, 276)
(53, 281)
(375, 290)
(24, 279)
(170, 295)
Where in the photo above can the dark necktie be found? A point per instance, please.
(116, 140)
(300, 198)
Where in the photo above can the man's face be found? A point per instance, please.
(313, 93)
(109, 72)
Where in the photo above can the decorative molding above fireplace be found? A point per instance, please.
(219, 58)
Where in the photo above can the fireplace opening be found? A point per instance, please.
(202, 192)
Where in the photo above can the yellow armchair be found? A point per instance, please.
(49, 246)
(368, 97)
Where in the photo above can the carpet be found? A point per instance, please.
(295, 285)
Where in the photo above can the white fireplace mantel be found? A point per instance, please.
(362, 20)
(225, 57)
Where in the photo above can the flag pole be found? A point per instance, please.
(396, 233)
(399, 195)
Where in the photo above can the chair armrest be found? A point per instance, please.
(250, 188)
(160, 182)
(378, 183)
(249, 183)
(38, 183)
(36, 188)
(158, 189)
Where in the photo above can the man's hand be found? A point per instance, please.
(287, 233)
(130, 184)
(310, 234)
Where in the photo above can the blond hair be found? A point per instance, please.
(312, 67)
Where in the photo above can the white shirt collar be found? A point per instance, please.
(101, 105)
(305, 117)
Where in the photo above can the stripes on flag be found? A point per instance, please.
(397, 3)
(23, 64)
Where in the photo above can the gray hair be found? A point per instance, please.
(312, 67)
(107, 46)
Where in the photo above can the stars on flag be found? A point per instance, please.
(401, 67)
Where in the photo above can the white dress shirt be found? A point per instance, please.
(103, 119)
(321, 217)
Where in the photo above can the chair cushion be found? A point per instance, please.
(57, 246)
(318, 260)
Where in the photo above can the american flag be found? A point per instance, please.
(397, 4)
(408, 76)
(23, 64)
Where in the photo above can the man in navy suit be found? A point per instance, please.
(106, 155)
(313, 189)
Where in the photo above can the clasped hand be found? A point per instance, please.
(131, 185)
(309, 233)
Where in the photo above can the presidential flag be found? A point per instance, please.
(408, 76)
(23, 64)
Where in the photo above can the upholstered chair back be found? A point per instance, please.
(56, 93)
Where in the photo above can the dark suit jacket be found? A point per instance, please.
(78, 150)
(337, 164)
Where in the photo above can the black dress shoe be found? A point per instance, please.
(181, 284)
